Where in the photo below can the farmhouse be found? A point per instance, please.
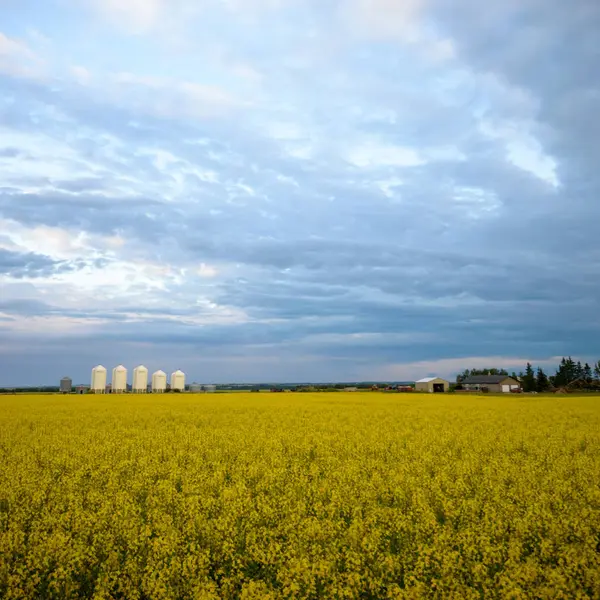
(493, 383)
(432, 385)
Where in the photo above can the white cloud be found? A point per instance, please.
(396, 19)
(205, 270)
(81, 75)
(137, 16)
(372, 154)
(476, 202)
(171, 97)
(17, 59)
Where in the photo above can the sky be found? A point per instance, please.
(297, 190)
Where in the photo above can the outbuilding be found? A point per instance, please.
(491, 383)
(433, 385)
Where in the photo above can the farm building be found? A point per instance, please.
(159, 382)
(432, 385)
(140, 380)
(98, 379)
(66, 385)
(493, 383)
(178, 381)
(119, 380)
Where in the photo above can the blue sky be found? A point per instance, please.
(256, 190)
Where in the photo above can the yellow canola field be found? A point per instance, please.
(331, 495)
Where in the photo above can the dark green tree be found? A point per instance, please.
(566, 372)
(588, 374)
(542, 383)
(529, 383)
(597, 370)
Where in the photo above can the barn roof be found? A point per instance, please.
(426, 379)
(486, 379)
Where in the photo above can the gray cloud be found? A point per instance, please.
(20, 265)
(470, 253)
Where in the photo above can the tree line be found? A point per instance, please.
(569, 374)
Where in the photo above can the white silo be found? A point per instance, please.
(159, 382)
(178, 380)
(119, 380)
(98, 380)
(140, 380)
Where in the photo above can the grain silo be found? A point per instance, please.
(119, 380)
(98, 380)
(159, 382)
(140, 380)
(66, 385)
(178, 381)
(196, 388)
(210, 388)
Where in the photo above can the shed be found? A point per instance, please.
(492, 383)
(432, 385)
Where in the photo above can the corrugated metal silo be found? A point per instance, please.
(159, 382)
(119, 380)
(178, 380)
(66, 385)
(196, 388)
(98, 380)
(210, 389)
(140, 380)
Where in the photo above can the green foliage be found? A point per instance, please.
(528, 383)
(473, 372)
(542, 383)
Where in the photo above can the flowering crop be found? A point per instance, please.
(347, 495)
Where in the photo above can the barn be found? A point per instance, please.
(432, 385)
(493, 383)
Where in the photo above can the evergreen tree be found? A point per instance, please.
(529, 382)
(541, 381)
(597, 370)
(587, 372)
(567, 372)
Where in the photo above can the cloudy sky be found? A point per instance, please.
(297, 190)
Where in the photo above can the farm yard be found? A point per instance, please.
(299, 496)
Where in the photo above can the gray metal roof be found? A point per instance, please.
(483, 379)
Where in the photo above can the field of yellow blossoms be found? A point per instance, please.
(340, 495)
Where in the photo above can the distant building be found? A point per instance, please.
(82, 389)
(432, 385)
(491, 383)
(351, 389)
(66, 385)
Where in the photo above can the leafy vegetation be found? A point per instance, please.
(299, 496)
